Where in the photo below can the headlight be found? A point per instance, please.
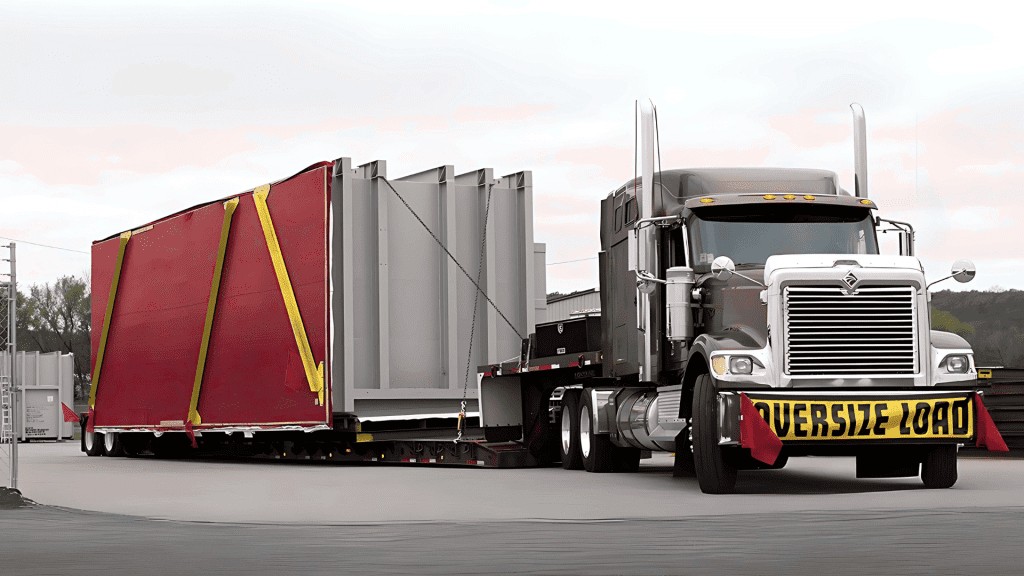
(957, 364)
(741, 365)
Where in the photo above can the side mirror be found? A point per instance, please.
(963, 271)
(723, 268)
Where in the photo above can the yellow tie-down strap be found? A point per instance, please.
(314, 373)
(211, 306)
(106, 318)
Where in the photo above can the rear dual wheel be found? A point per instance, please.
(597, 449)
(581, 448)
(569, 441)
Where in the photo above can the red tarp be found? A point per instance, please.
(253, 375)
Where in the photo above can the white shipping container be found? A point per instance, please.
(46, 381)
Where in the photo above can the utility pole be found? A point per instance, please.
(8, 386)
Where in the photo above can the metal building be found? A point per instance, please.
(574, 305)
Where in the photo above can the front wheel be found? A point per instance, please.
(715, 473)
(938, 470)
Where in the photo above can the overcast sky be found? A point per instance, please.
(114, 114)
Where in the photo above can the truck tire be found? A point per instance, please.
(938, 470)
(597, 449)
(112, 444)
(715, 474)
(569, 441)
(92, 442)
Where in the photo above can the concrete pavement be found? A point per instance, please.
(329, 493)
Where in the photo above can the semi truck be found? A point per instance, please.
(747, 316)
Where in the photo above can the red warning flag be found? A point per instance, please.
(191, 435)
(69, 414)
(756, 434)
(988, 434)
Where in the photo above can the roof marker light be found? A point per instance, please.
(706, 200)
(789, 196)
(808, 197)
(769, 196)
(865, 201)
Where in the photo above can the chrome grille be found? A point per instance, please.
(831, 333)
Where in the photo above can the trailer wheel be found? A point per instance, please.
(715, 474)
(92, 442)
(939, 467)
(112, 444)
(597, 449)
(569, 444)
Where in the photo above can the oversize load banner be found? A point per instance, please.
(868, 419)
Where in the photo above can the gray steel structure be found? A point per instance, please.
(401, 309)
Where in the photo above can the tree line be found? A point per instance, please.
(56, 318)
(991, 321)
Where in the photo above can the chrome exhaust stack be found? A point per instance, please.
(647, 248)
(860, 152)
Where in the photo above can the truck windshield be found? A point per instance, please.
(750, 233)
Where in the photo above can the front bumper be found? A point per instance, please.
(854, 417)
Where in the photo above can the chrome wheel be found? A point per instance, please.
(585, 430)
(108, 442)
(566, 429)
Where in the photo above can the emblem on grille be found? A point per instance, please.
(559, 328)
(850, 280)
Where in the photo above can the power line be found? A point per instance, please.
(571, 261)
(43, 245)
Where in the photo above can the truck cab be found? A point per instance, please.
(809, 296)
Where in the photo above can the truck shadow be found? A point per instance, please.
(804, 482)
(798, 482)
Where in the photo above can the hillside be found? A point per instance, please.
(993, 322)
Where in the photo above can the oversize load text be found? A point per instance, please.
(868, 419)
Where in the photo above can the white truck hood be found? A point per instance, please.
(840, 260)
